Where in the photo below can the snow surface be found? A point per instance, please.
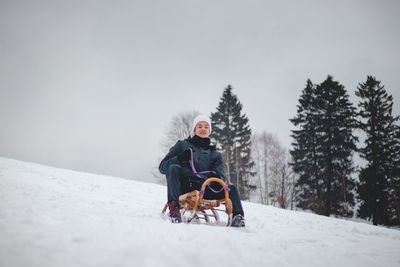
(55, 217)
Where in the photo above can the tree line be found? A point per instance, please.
(318, 172)
(325, 143)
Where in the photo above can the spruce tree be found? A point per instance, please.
(335, 123)
(378, 186)
(304, 152)
(232, 133)
(323, 148)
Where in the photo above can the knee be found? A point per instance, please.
(174, 169)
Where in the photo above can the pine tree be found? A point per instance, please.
(232, 133)
(335, 124)
(323, 149)
(304, 152)
(379, 181)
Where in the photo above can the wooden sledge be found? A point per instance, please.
(204, 209)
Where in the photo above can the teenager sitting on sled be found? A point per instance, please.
(207, 162)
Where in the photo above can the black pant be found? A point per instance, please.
(178, 185)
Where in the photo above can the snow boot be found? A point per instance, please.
(238, 221)
(174, 212)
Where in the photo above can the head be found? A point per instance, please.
(202, 126)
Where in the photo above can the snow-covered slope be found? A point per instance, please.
(54, 217)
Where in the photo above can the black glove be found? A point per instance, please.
(184, 156)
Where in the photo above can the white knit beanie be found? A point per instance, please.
(201, 118)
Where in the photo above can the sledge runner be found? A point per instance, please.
(207, 163)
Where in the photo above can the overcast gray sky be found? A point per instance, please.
(91, 85)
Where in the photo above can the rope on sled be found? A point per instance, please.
(200, 175)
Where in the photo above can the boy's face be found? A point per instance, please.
(202, 129)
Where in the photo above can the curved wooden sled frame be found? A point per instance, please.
(193, 202)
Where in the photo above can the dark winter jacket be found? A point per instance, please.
(205, 156)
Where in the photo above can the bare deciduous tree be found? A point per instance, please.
(178, 129)
(261, 149)
(275, 177)
(285, 181)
